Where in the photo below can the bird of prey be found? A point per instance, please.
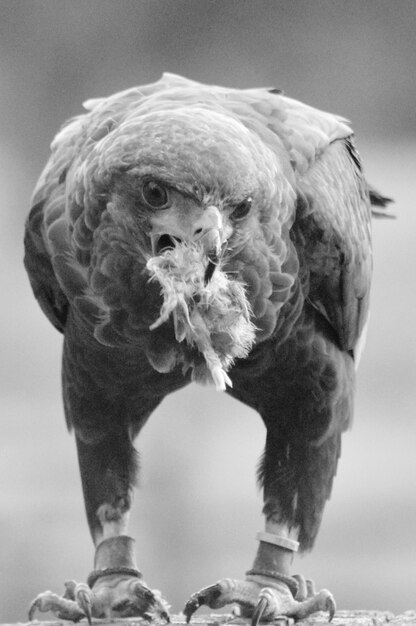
(184, 232)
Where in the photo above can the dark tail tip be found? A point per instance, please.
(379, 204)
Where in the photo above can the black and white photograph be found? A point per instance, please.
(208, 296)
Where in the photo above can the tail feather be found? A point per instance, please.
(379, 204)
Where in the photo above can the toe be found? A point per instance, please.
(208, 596)
(227, 591)
(135, 599)
(61, 607)
(302, 592)
(310, 585)
(306, 587)
(322, 601)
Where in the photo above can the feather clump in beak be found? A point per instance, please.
(210, 311)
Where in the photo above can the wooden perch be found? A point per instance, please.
(342, 618)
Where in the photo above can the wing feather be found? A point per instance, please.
(332, 233)
(45, 232)
(41, 273)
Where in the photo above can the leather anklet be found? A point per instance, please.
(109, 571)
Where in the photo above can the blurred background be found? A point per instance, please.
(198, 507)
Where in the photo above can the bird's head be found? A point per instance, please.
(192, 175)
(191, 189)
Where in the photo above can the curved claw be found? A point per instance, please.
(32, 610)
(259, 610)
(83, 598)
(321, 601)
(206, 596)
(165, 615)
(160, 606)
(331, 606)
(191, 606)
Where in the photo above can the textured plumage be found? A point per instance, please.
(183, 231)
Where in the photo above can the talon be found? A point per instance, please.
(207, 596)
(88, 615)
(191, 606)
(162, 607)
(84, 601)
(32, 610)
(259, 610)
(331, 606)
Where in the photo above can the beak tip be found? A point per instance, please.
(210, 269)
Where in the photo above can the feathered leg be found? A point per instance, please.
(108, 472)
(305, 402)
(302, 449)
(105, 426)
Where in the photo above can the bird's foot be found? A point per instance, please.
(108, 594)
(264, 597)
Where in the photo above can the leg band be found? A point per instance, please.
(276, 540)
(109, 571)
(288, 580)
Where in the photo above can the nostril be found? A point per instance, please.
(166, 242)
(198, 231)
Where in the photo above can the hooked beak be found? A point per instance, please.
(213, 261)
(175, 227)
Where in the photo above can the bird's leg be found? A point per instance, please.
(305, 401)
(270, 590)
(115, 588)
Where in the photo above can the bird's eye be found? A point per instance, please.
(242, 209)
(155, 195)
